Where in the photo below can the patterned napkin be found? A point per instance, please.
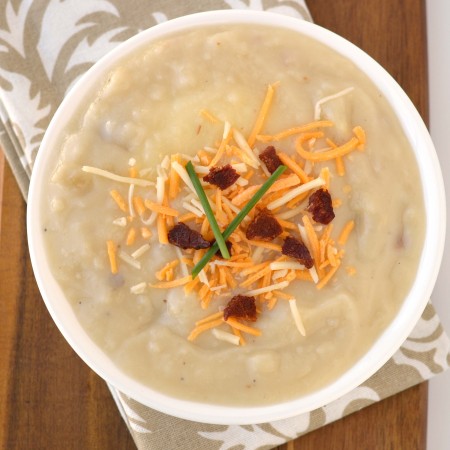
(45, 45)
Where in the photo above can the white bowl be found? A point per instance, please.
(383, 348)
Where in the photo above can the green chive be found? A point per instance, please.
(208, 211)
(238, 219)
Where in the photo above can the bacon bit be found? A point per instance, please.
(270, 158)
(320, 206)
(241, 307)
(121, 203)
(264, 227)
(184, 237)
(223, 177)
(296, 249)
(112, 255)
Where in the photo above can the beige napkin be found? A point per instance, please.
(45, 45)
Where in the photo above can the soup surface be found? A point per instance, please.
(216, 97)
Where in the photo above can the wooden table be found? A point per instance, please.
(51, 400)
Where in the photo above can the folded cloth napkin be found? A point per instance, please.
(45, 45)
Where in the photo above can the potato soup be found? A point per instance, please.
(317, 269)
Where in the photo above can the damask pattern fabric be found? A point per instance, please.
(45, 46)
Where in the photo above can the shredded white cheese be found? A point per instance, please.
(257, 254)
(210, 150)
(201, 169)
(297, 191)
(241, 182)
(146, 172)
(203, 277)
(233, 207)
(115, 177)
(289, 265)
(318, 106)
(297, 318)
(292, 213)
(279, 274)
(150, 219)
(225, 336)
(138, 288)
(243, 145)
(129, 260)
(226, 129)
(272, 287)
(130, 200)
(160, 189)
(218, 288)
(313, 273)
(192, 209)
(181, 171)
(183, 265)
(165, 163)
(120, 221)
(239, 167)
(140, 251)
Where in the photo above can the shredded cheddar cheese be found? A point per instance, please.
(148, 210)
(112, 255)
(262, 116)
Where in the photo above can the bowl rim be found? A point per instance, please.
(392, 337)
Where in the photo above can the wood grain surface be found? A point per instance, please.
(49, 399)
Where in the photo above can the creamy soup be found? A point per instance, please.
(118, 188)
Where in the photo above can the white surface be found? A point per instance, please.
(438, 23)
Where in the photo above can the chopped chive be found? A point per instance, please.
(238, 219)
(208, 211)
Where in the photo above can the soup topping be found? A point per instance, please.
(243, 228)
